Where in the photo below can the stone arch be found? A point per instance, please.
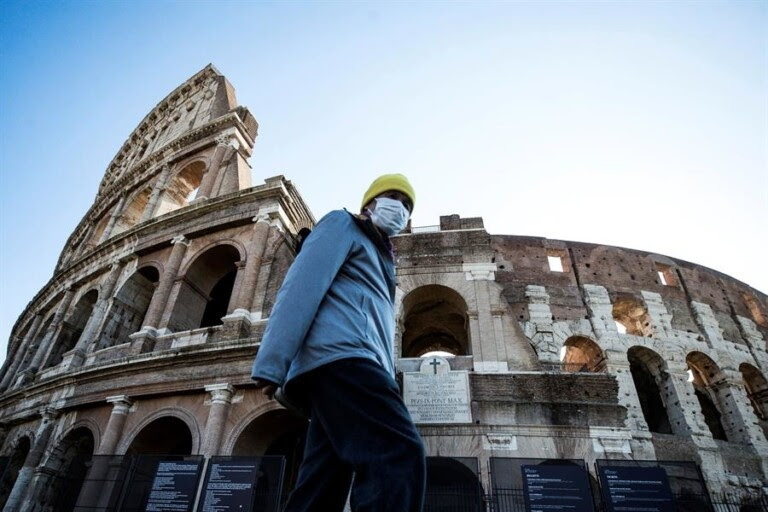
(133, 210)
(169, 431)
(631, 313)
(66, 467)
(706, 380)
(275, 432)
(650, 377)
(129, 307)
(757, 392)
(73, 327)
(434, 318)
(98, 231)
(228, 444)
(178, 191)
(582, 354)
(235, 244)
(452, 485)
(18, 454)
(206, 288)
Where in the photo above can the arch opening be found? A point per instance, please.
(452, 484)
(17, 458)
(72, 328)
(278, 433)
(705, 373)
(67, 465)
(164, 436)
(647, 369)
(434, 320)
(178, 193)
(132, 212)
(631, 316)
(757, 393)
(129, 307)
(581, 354)
(206, 290)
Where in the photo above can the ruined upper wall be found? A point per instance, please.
(185, 126)
(523, 261)
(204, 97)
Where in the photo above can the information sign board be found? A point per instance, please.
(550, 487)
(174, 486)
(636, 488)
(230, 486)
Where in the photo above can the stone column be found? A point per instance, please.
(76, 357)
(221, 398)
(144, 340)
(121, 406)
(209, 178)
(160, 297)
(484, 345)
(157, 192)
(540, 329)
(50, 335)
(641, 443)
(116, 213)
(600, 311)
(708, 324)
(98, 475)
(224, 168)
(255, 255)
(661, 320)
(739, 416)
(34, 457)
(17, 357)
(687, 420)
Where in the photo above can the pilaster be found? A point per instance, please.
(221, 399)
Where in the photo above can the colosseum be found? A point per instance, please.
(523, 360)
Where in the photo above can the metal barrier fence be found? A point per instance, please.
(513, 500)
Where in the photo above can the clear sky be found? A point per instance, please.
(637, 124)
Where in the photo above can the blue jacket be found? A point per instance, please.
(336, 302)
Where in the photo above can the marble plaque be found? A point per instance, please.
(437, 395)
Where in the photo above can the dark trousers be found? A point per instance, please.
(358, 424)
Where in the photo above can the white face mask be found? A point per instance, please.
(390, 215)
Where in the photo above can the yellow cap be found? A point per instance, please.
(387, 182)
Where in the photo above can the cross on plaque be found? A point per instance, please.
(434, 364)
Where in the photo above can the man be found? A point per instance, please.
(329, 344)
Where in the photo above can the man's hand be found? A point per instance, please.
(267, 387)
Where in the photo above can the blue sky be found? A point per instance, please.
(637, 124)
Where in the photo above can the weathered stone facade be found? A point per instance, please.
(143, 339)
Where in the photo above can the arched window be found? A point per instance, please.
(435, 320)
(757, 392)
(704, 374)
(164, 436)
(278, 433)
(72, 328)
(631, 316)
(581, 354)
(179, 191)
(647, 369)
(129, 306)
(67, 467)
(206, 290)
(17, 458)
(132, 212)
(452, 484)
(98, 231)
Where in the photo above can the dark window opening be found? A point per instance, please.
(711, 415)
(219, 301)
(654, 410)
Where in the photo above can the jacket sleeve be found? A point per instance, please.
(303, 289)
